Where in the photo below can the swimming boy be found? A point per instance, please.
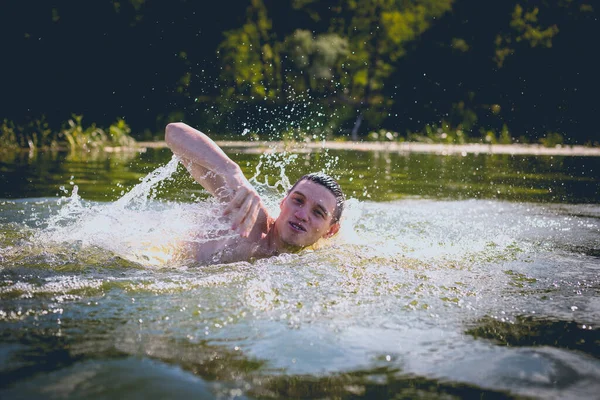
(311, 209)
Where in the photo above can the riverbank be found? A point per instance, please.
(399, 147)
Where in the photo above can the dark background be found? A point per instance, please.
(83, 57)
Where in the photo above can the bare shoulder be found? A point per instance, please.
(210, 250)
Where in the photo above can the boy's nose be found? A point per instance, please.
(300, 214)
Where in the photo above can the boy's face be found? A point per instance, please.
(306, 214)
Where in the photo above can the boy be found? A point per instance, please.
(311, 209)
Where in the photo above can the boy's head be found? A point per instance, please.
(311, 210)
(332, 185)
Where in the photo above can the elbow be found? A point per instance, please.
(175, 134)
(172, 131)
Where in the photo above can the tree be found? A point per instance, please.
(540, 85)
(248, 57)
(378, 32)
(350, 61)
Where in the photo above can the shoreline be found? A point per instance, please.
(396, 147)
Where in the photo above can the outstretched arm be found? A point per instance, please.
(205, 160)
(217, 173)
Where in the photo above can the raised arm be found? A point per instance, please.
(205, 160)
(218, 174)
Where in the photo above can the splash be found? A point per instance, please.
(140, 228)
(136, 227)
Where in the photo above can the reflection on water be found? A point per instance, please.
(450, 295)
(377, 176)
(527, 331)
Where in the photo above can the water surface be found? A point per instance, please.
(452, 277)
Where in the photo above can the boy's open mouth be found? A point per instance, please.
(296, 227)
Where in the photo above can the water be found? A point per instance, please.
(441, 284)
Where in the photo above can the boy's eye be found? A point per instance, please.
(319, 213)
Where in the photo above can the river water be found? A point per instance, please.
(452, 277)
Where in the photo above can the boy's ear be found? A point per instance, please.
(333, 229)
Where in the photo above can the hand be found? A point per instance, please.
(244, 209)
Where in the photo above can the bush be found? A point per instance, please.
(82, 138)
(552, 139)
(37, 134)
(382, 136)
(8, 137)
(33, 135)
(120, 134)
(505, 136)
(444, 133)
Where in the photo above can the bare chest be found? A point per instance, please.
(224, 250)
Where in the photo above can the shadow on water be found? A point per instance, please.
(33, 352)
(39, 362)
(528, 331)
(379, 383)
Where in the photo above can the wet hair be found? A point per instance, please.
(331, 184)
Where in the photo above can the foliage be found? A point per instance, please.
(505, 136)
(37, 134)
(119, 134)
(33, 134)
(258, 67)
(463, 116)
(93, 137)
(382, 135)
(491, 136)
(442, 133)
(353, 51)
(248, 56)
(8, 137)
(311, 62)
(552, 139)
(378, 32)
(395, 65)
(524, 28)
(349, 62)
(447, 134)
(79, 137)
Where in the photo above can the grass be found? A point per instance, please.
(73, 136)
